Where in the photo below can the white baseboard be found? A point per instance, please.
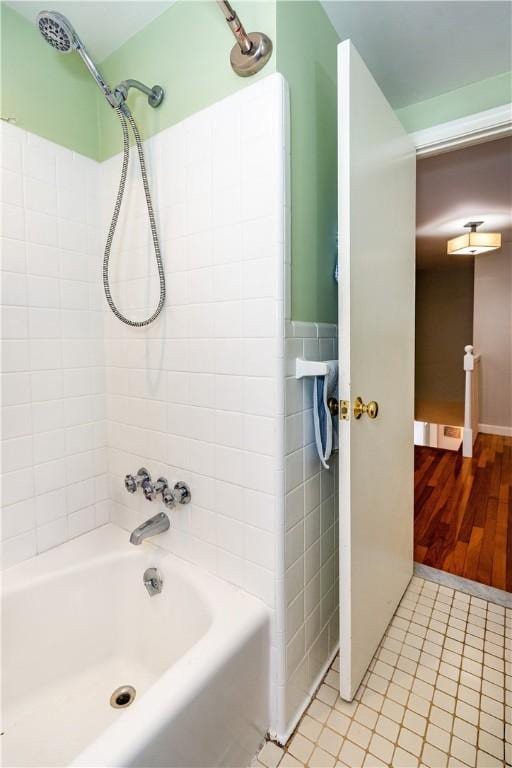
(494, 429)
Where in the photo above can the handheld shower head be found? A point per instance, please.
(57, 31)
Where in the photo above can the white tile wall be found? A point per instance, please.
(311, 538)
(53, 428)
(198, 395)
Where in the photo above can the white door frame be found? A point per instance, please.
(484, 126)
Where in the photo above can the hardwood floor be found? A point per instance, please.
(463, 511)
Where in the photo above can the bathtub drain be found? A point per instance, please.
(122, 696)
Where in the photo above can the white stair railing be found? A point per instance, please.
(471, 400)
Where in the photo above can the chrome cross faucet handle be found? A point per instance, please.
(168, 498)
(131, 483)
(151, 490)
(182, 493)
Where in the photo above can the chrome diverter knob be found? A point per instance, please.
(131, 482)
(151, 490)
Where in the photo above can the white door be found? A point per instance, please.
(376, 187)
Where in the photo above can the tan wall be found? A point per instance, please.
(493, 334)
(444, 325)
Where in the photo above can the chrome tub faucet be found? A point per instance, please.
(156, 524)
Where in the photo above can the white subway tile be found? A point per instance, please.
(41, 228)
(18, 548)
(12, 148)
(259, 396)
(43, 292)
(12, 188)
(259, 435)
(43, 260)
(49, 476)
(46, 385)
(16, 453)
(229, 392)
(15, 388)
(17, 486)
(49, 446)
(14, 289)
(260, 547)
(49, 506)
(14, 323)
(13, 255)
(40, 196)
(13, 221)
(52, 534)
(16, 421)
(17, 518)
(39, 158)
(81, 522)
(44, 323)
(45, 354)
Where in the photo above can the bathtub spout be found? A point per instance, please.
(156, 524)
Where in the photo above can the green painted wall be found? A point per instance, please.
(49, 94)
(54, 96)
(472, 98)
(196, 76)
(306, 56)
(186, 50)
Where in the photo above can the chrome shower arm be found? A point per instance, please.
(236, 26)
(154, 94)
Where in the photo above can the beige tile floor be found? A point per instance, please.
(437, 693)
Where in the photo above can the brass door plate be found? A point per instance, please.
(341, 408)
(344, 410)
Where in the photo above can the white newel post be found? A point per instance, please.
(467, 435)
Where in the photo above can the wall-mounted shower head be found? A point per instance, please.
(57, 31)
(251, 51)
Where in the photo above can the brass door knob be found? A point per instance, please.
(371, 409)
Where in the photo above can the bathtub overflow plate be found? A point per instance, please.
(123, 696)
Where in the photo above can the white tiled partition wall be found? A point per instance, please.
(53, 430)
(198, 395)
(311, 539)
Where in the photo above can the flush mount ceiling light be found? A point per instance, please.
(474, 242)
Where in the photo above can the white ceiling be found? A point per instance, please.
(472, 184)
(103, 26)
(416, 49)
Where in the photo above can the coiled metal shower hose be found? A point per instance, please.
(125, 115)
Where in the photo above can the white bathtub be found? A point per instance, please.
(77, 622)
